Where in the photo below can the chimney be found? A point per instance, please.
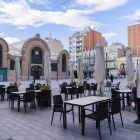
(50, 35)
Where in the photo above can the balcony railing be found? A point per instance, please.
(111, 59)
(89, 57)
(78, 44)
(78, 50)
(111, 67)
(78, 40)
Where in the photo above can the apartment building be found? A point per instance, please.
(134, 37)
(114, 51)
(82, 42)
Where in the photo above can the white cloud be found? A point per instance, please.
(19, 12)
(11, 40)
(1, 34)
(134, 16)
(75, 19)
(101, 5)
(39, 1)
(109, 35)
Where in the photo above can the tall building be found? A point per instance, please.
(134, 37)
(83, 41)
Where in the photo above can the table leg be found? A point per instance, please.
(18, 103)
(82, 119)
(123, 100)
(93, 107)
(79, 114)
(64, 117)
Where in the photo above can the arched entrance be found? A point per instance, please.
(36, 71)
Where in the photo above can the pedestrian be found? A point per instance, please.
(33, 79)
(111, 78)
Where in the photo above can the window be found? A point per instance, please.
(93, 61)
(94, 54)
(36, 56)
(54, 66)
(0, 56)
(89, 54)
(12, 64)
(63, 63)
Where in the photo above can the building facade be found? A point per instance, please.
(134, 37)
(85, 40)
(113, 52)
(31, 54)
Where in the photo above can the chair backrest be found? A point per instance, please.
(94, 87)
(85, 83)
(2, 85)
(113, 93)
(31, 85)
(118, 84)
(73, 90)
(29, 96)
(44, 94)
(10, 87)
(80, 89)
(37, 86)
(87, 86)
(108, 84)
(58, 102)
(13, 89)
(115, 105)
(102, 110)
(63, 89)
(31, 88)
(1, 90)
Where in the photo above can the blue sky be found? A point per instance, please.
(109, 17)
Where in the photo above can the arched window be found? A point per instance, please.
(63, 63)
(0, 56)
(36, 56)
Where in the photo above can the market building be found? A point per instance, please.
(31, 53)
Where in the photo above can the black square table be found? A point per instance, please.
(81, 103)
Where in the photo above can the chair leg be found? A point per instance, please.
(113, 122)
(60, 116)
(35, 106)
(52, 117)
(41, 104)
(25, 106)
(121, 118)
(109, 126)
(73, 113)
(99, 133)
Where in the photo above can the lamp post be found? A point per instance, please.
(57, 69)
(28, 71)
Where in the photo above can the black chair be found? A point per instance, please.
(13, 97)
(80, 91)
(87, 87)
(99, 115)
(58, 107)
(31, 86)
(94, 88)
(8, 91)
(37, 86)
(2, 93)
(115, 109)
(72, 92)
(29, 97)
(28, 89)
(44, 96)
(114, 94)
(63, 90)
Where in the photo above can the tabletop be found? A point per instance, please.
(68, 87)
(4, 87)
(23, 92)
(124, 91)
(86, 101)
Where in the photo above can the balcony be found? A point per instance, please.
(78, 50)
(78, 40)
(111, 67)
(92, 64)
(110, 59)
(86, 64)
(89, 57)
(78, 44)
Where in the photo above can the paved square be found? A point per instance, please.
(33, 125)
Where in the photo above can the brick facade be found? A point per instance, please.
(134, 38)
(91, 38)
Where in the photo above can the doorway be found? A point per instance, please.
(36, 71)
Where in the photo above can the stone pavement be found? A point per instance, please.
(33, 125)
